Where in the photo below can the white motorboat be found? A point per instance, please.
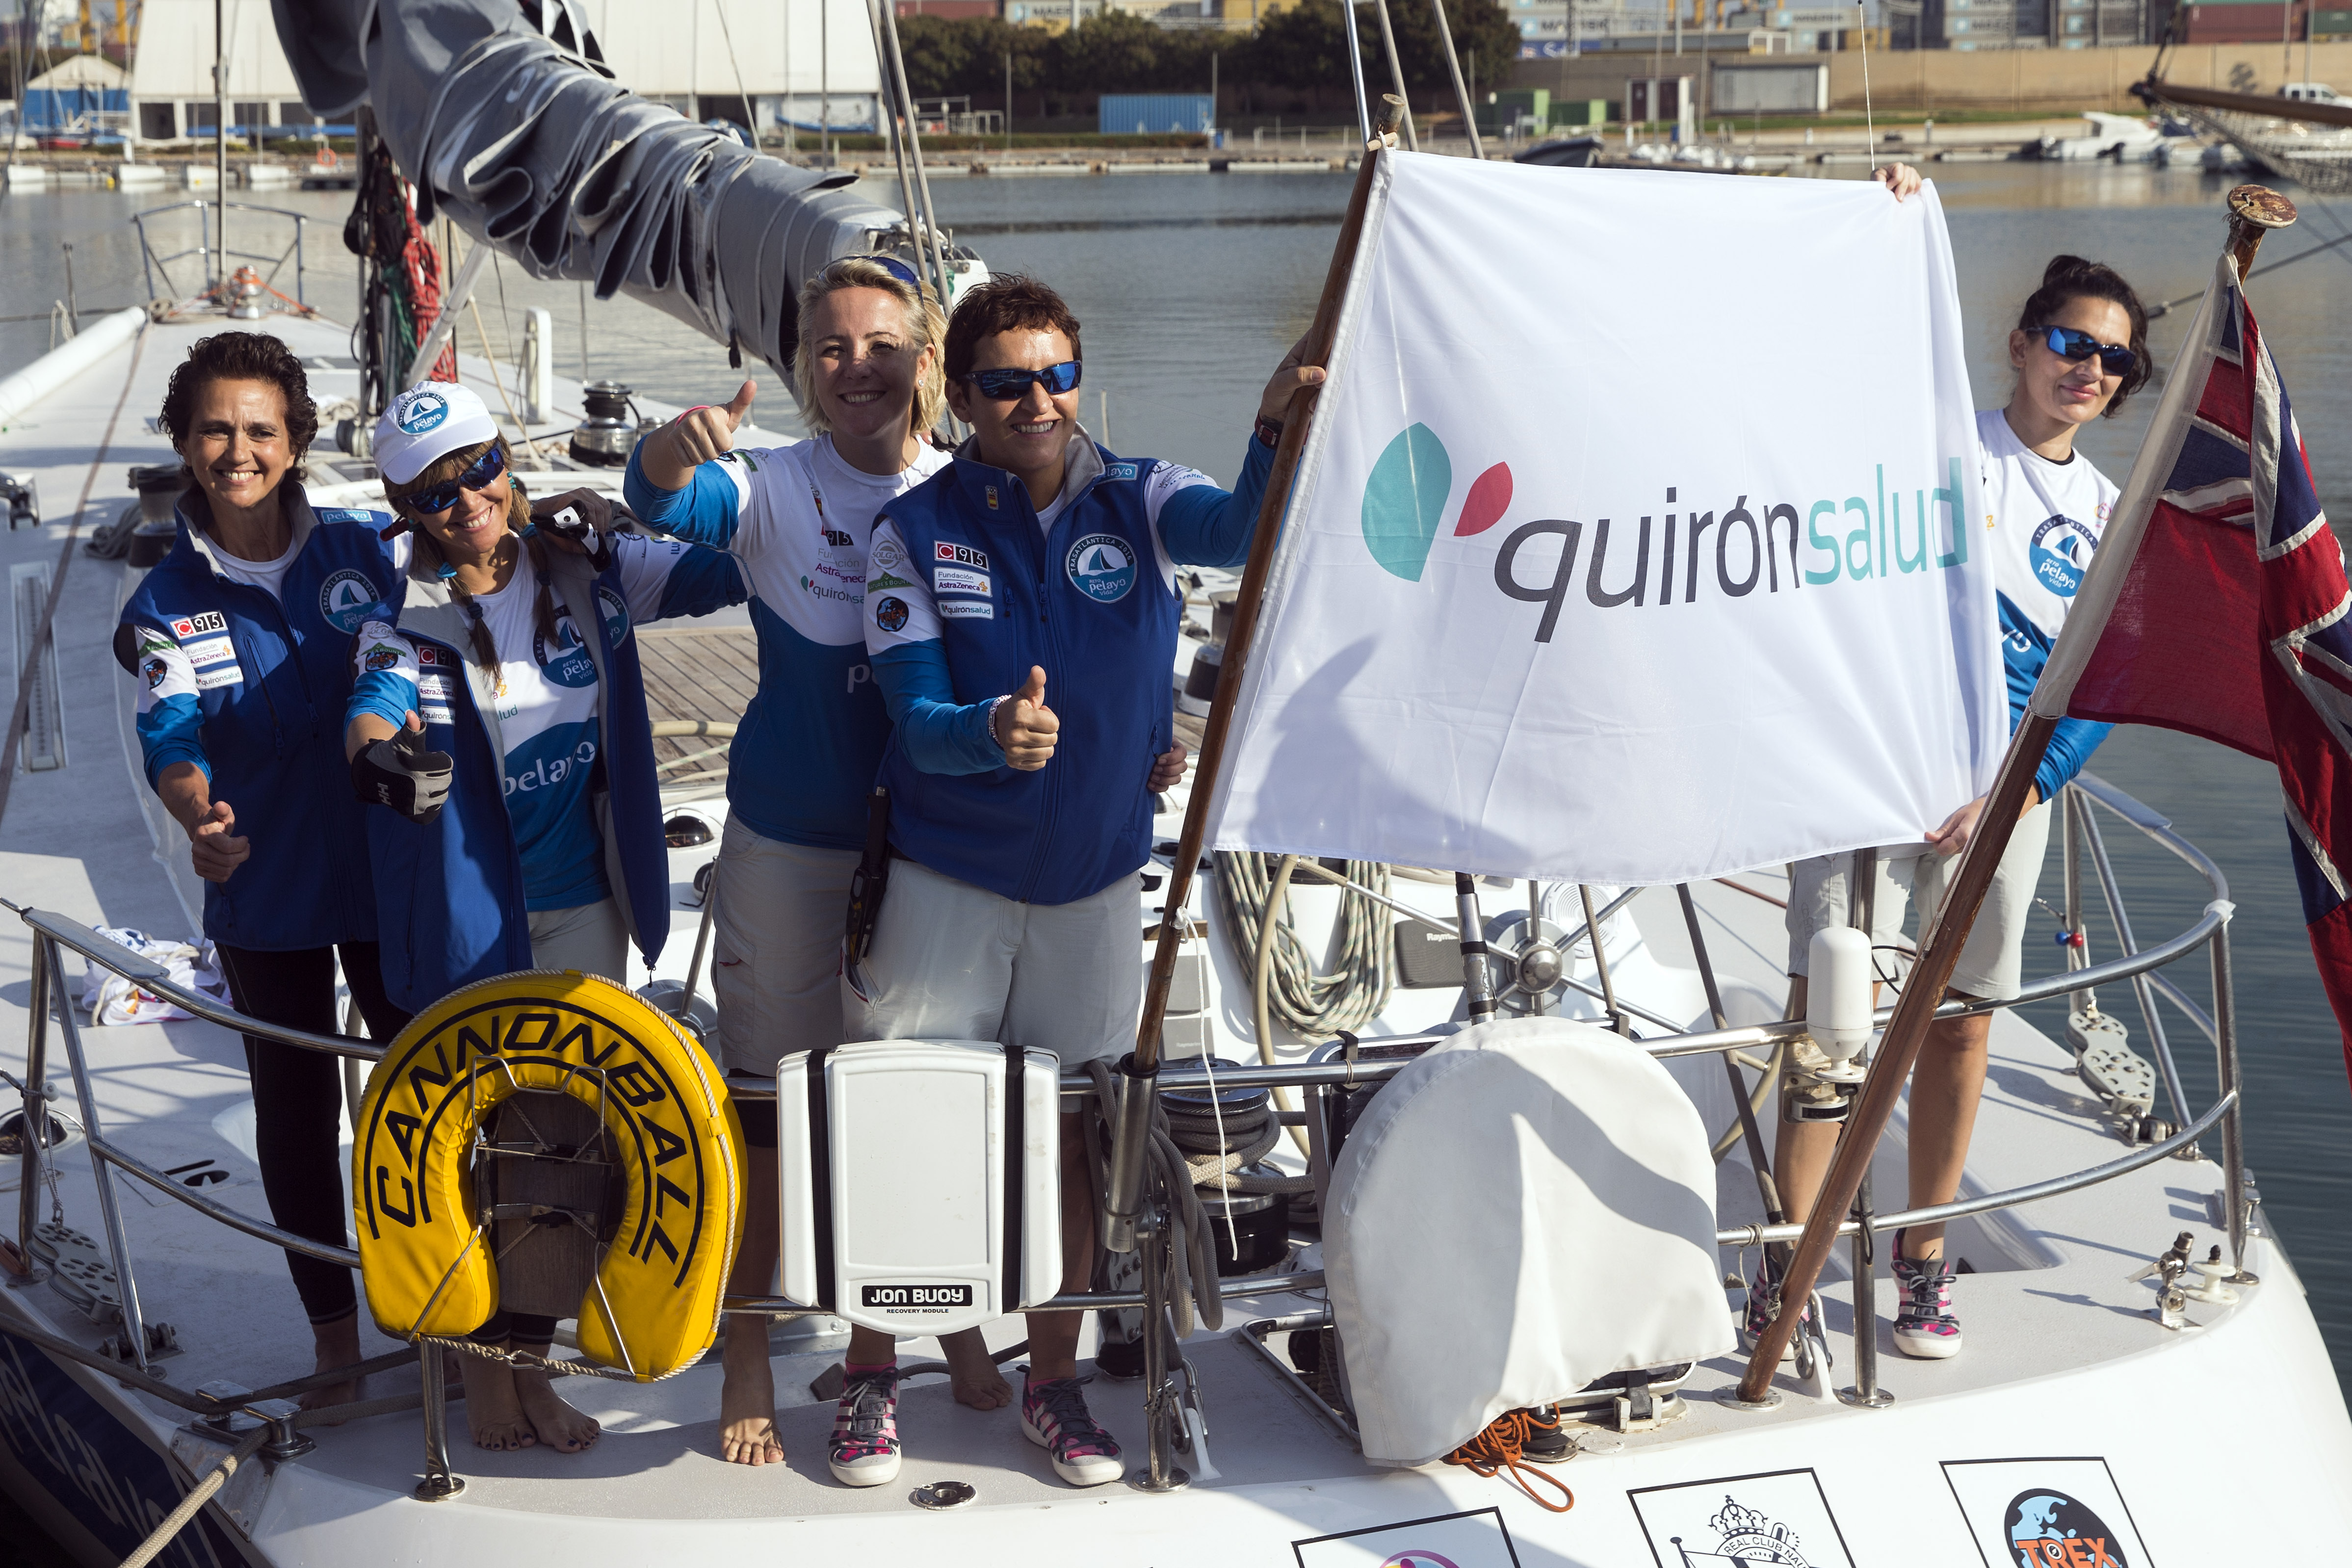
(2125, 138)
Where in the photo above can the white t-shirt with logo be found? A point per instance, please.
(804, 519)
(546, 709)
(2045, 519)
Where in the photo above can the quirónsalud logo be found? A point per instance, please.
(1404, 502)
(1694, 552)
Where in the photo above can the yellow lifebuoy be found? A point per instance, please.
(424, 1256)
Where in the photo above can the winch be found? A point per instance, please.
(606, 438)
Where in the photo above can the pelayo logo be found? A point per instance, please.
(1656, 557)
(345, 598)
(1416, 1558)
(568, 663)
(2061, 554)
(421, 412)
(2047, 1529)
(1101, 567)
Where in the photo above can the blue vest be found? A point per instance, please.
(274, 739)
(1084, 603)
(451, 891)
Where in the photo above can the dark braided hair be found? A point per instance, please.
(2070, 277)
(425, 564)
(241, 356)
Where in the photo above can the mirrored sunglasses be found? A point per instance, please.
(2075, 347)
(439, 497)
(1006, 385)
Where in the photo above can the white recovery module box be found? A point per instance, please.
(919, 1182)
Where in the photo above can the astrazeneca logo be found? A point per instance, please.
(1724, 557)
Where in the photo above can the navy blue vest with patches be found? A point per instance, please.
(273, 737)
(1104, 633)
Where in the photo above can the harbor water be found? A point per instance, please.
(1189, 287)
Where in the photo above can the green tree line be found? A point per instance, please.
(1297, 56)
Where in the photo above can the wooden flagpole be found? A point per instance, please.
(1318, 350)
(1123, 1202)
(1922, 991)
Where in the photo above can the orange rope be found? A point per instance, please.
(1500, 1447)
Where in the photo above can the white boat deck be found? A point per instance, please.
(2064, 1356)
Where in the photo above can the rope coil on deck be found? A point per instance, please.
(1499, 1448)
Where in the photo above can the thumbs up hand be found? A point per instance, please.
(699, 435)
(1024, 726)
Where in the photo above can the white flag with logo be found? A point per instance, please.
(1633, 539)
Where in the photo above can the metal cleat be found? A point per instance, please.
(163, 1340)
(2212, 1280)
(2171, 1300)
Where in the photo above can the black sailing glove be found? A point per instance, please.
(398, 771)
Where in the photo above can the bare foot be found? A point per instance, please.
(747, 1397)
(337, 1345)
(974, 1377)
(494, 1413)
(559, 1426)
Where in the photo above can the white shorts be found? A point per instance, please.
(1991, 962)
(590, 938)
(776, 946)
(952, 962)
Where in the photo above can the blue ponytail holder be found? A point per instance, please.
(447, 572)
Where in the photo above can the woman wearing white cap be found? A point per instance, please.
(501, 719)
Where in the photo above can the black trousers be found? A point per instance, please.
(298, 1098)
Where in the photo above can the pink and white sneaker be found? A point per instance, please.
(864, 1449)
(1924, 1325)
(1054, 1416)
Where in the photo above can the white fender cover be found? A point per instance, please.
(1527, 1207)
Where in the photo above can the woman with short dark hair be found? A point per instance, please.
(239, 641)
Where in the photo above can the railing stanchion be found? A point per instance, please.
(36, 1109)
(2233, 1143)
(439, 1483)
(2141, 987)
(2071, 807)
(1160, 1472)
(110, 1206)
(1866, 1392)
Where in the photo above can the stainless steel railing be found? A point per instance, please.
(207, 214)
(54, 935)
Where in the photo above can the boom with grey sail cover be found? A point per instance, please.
(505, 118)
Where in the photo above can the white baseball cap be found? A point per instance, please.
(427, 423)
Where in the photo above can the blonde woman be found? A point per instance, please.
(867, 371)
(498, 724)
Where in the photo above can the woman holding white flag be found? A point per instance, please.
(2079, 349)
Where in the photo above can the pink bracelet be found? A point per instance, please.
(696, 409)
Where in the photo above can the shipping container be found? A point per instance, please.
(2234, 22)
(1147, 113)
(1579, 111)
(2330, 24)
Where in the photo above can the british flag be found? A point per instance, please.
(2233, 619)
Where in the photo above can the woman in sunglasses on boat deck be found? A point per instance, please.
(499, 723)
(239, 640)
(2079, 349)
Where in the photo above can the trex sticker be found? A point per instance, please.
(2045, 1513)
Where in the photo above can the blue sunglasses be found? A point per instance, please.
(1004, 385)
(439, 497)
(2075, 347)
